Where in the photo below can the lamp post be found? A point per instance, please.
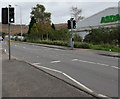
(20, 19)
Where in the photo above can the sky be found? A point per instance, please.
(60, 10)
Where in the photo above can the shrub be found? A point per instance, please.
(81, 45)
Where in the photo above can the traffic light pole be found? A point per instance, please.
(9, 46)
(9, 43)
(71, 39)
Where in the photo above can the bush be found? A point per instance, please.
(82, 45)
(103, 35)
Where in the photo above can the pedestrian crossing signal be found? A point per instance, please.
(74, 24)
(11, 15)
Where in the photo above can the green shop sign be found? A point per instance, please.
(111, 18)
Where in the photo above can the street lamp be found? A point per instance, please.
(20, 19)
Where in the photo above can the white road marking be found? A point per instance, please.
(86, 88)
(47, 68)
(77, 82)
(102, 64)
(95, 63)
(55, 62)
(87, 62)
(115, 67)
(75, 60)
(36, 63)
(24, 47)
(101, 95)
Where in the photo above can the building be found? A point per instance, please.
(106, 18)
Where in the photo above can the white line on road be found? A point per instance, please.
(101, 95)
(36, 63)
(78, 82)
(102, 64)
(75, 60)
(95, 63)
(24, 47)
(47, 68)
(55, 62)
(86, 88)
(115, 67)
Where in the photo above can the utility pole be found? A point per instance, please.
(9, 33)
(20, 20)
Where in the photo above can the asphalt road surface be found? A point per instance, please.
(99, 73)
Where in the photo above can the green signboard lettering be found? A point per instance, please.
(111, 18)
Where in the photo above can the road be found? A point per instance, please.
(99, 73)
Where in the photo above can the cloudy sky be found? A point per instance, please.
(60, 10)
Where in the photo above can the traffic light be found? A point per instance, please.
(69, 24)
(11, 15)
(74, 24)
(4, 15)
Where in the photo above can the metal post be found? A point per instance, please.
(9, 35)
(72, 44)
(21, 21)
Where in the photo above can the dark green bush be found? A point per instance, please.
(81, 45)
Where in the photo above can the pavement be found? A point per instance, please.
(20, 79)
(100, 52)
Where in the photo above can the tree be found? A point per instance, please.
(34, 34)
(76, 13)
(53, 26)
(31, 24)
(39, 13)
(42, 20)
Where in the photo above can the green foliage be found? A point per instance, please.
(62, 34)
(82, 45)
(59, 43)
(32, 22)
(41, 20)
(34, 34)
(77, 38)
(39, 13)
(3, 35)
(103, 36)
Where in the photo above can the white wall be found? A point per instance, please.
(95, 19)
